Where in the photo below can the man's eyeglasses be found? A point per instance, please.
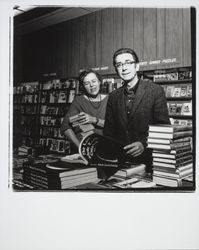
(127, 64)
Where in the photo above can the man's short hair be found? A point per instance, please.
(125, 50)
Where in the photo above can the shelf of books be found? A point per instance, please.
(25, 108)
(177, 84)
(56, 95)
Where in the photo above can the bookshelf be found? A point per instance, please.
(56, 95)
(39, 107)
(25, 109)
(177, 84)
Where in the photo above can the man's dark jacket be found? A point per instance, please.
(150, 107)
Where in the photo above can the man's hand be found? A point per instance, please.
(134, 149)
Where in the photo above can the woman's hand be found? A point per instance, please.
(85, 118)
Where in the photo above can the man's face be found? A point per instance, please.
(126, 66)
(91, 84)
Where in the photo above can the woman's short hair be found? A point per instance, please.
(125, 50)
(85, 73)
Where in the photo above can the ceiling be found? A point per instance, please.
(35, 18)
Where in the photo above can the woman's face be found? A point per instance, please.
(91, 84)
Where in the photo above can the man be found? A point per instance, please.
(133, 107)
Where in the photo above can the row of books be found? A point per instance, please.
(27, 87)
(57, 96)
(55, 110)
(51, 121)
(50, 132)
(56, 145)
(178, 90)
(25, 109)
(183, 122)
(60, 84)
(179, 107)
(173, 76)
(172, 153)
(27, 98)
(28, 109)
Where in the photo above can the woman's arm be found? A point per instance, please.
(72, 137)
(85, 118)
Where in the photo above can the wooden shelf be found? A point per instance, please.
(62, 89)
(54, 103)
(175, 82)
(59, 115)
(179, 98)
(51, 137)
(181, 116)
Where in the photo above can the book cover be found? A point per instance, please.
(167, 141)
(179, 108)
(128, 172)
(62, 97)
(175, 135)
(170, 90)
(172, 108)
(172, 156)
(174, 161)
(175, 169)
(167, 128)
(177, 91)
(174, 175)
(135, 182)
(174, 151)
(183, 92)
(95, 148)
(165, 181)
(71, 96)
(62, 169)
(168, 146)
(189, 90)
(171, 165)
(187, 108)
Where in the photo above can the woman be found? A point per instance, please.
(90, 106)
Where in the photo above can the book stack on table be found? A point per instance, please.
(172, 153)
(56, 174)
(63, 175)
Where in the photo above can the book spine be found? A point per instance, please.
(182, 134)
(77, 172)
(78, 182)
(179, 145)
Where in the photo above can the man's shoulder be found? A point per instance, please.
(150, 84)
(116, 91)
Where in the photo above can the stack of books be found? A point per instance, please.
(56, 174)
(24, 150)
(35, 172)
(172, 153)
(81, 130)
(62, 175)
(129, 170)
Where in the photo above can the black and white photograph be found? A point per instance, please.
(115, 86)
(99, 125)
